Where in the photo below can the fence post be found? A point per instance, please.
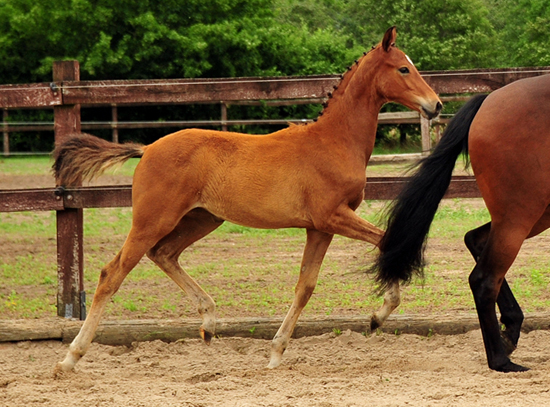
(114, 122)
(70, 292)
(6, 133)
(224, 116)
(425, 132)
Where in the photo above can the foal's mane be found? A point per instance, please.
(345, 79)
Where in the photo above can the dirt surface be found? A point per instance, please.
(329, 370)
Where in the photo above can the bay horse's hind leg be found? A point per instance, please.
(486, 280)
(192, 227)
(316, 247)
(511, 315)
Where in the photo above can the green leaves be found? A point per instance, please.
(141, 39)
(525, 32)
(220, 38)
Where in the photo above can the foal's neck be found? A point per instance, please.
(350, 115)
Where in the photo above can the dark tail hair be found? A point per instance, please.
(83, 157)
(411, 214)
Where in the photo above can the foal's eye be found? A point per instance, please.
(404, 70)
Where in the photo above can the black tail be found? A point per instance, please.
(411, 214)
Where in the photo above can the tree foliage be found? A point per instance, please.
(523, 28)
(439, 35)
(133, 39)
(145, 39)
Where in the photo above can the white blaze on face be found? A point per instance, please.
(410, 60)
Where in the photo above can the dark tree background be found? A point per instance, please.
(141, 39)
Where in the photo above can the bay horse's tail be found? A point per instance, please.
(411, 214)
(83, 157)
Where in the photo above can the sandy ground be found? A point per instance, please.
(328, 370)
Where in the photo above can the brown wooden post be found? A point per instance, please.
(425, 132)
(224, 116)
(114, 123)
(6, 133)
(70, 293)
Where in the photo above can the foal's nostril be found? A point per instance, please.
(438, 108)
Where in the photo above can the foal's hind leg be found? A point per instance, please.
(110, 280)
(192, 227)
(511, 315)
(145, 233)
(314, 252)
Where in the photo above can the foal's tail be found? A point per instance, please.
(83, 157)
(410, 216)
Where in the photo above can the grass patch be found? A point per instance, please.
(15, 165)
(248, 272)
(41, 165)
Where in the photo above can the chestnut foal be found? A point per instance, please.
(308, 176)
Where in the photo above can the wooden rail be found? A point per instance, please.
(58, 199)
(66, 94)
(174, 91)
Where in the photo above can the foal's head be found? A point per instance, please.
(398, 80)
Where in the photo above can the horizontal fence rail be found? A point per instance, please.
(56, 199)
(228, 91)
(383, 118)
(175, 91)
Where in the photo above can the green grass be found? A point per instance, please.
(248, 272)
(41, 165)
(25, 165)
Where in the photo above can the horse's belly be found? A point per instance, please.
(259, 213)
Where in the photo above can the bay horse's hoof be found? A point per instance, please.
(511, 367)
(509, 346)
(206, 336)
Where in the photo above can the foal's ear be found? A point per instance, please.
(389, 38)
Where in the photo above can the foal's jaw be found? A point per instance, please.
(430, 110)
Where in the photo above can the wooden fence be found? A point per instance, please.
(66, 94)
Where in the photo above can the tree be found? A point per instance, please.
(453, 34)
(523, 27)
(133, 39)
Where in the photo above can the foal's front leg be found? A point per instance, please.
(316, 246)
(344, 221)
(392, 299)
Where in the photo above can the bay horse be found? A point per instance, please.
(308, 176)
(507, 136)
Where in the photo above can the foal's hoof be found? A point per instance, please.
(206, 336)
(374, 323)
(60, 371)
(275, 361)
